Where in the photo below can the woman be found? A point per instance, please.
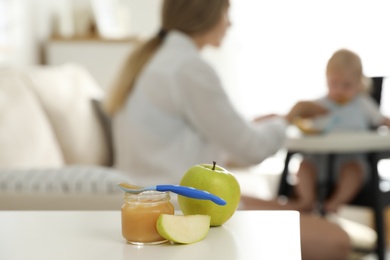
(171, 112)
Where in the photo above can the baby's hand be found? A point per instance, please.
(305, 109)
(386, 121)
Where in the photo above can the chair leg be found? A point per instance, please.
(380, 230)
(324, 189)
(378, 210)
(283, 185)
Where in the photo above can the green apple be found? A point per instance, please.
(217, 181)
(183, 229)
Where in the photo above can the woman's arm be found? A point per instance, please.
(210, 112)
(305, 109)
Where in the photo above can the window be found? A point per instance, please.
(4, 31)
(17, 44)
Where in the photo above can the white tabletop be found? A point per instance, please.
(340, 142)
(97, 235)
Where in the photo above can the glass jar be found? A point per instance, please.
(139, 216)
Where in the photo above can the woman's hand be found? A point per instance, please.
(305, 109)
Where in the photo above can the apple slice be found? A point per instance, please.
(183, 229)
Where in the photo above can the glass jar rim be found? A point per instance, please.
(147, 196)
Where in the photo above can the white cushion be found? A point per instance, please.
(65, 93)
(26, 137)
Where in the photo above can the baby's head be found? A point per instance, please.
(344, 74)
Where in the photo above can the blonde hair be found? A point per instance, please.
(188, 16)
(344, 59)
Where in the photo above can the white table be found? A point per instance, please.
(97, 235)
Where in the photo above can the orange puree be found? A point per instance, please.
(139, 216)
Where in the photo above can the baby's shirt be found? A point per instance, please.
(359, 114)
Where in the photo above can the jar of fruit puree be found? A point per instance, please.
(139, 216)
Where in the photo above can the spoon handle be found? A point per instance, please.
(191, 193)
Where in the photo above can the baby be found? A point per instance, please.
(351, 108)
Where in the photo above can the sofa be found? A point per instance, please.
(55, 141)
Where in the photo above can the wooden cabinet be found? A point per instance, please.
(103, 58)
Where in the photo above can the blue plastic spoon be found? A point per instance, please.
(181, 190)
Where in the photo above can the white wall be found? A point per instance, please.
(283, 47)
(144, 17)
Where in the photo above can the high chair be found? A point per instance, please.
(375, 146)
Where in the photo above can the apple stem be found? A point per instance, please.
(214, 163)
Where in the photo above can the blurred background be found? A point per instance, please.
(274, 54)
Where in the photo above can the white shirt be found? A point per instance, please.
(359, 114)
(179, 115)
